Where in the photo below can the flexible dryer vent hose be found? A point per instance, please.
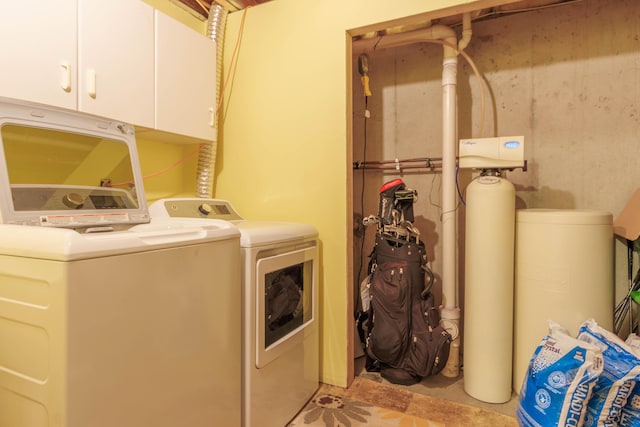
(207, 157)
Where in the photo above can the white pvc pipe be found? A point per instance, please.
(436, 32)
(449, 195)
(466, 31)
(450, 313)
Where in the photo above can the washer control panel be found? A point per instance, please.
(73, 206)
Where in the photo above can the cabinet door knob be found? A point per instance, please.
(91, 83)
(65, 78)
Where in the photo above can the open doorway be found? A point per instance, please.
(548, 79)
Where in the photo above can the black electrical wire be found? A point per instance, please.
(458, 187)
(363, 70)
(623, 307)
(364, 158)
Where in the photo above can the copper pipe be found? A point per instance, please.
(416, 163)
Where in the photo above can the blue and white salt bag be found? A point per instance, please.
(631, 412)
(620, 374)
(559, 381)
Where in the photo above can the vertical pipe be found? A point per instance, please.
(450, 312)
(466, 31)
(449, 195)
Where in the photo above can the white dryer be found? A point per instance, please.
(107, 319)
(280, 326)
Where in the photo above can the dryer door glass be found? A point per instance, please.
(285, 301)
(286, 308)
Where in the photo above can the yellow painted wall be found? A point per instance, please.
(169, 170)
(283, 152)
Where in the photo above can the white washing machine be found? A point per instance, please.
(280, 326)
(107, 319)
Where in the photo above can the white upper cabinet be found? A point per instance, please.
(115, 56)
(185, 80)
(38, 45)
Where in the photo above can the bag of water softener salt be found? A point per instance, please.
(631, 412)
(620, 374)
(630, 416)
(559, 381)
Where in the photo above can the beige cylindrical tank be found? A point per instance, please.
(564, 273)
(488, 298)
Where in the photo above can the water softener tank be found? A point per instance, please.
(563, 272)
(488, 290)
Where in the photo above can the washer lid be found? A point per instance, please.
(261, 233)
(60, 168)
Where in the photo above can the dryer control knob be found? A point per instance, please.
(73, 200)
(205, 208)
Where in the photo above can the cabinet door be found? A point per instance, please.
(38, 45)
(185, 80)
(115, 56)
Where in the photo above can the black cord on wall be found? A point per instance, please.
(363, 69)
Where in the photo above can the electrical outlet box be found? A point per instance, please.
(504, 152)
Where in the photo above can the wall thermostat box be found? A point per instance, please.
(504, 152)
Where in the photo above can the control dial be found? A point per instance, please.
(205, 209)
(73, 200)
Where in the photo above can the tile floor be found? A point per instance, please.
(368, 403)
(441, 387)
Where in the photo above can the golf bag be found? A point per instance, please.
(399, 325)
